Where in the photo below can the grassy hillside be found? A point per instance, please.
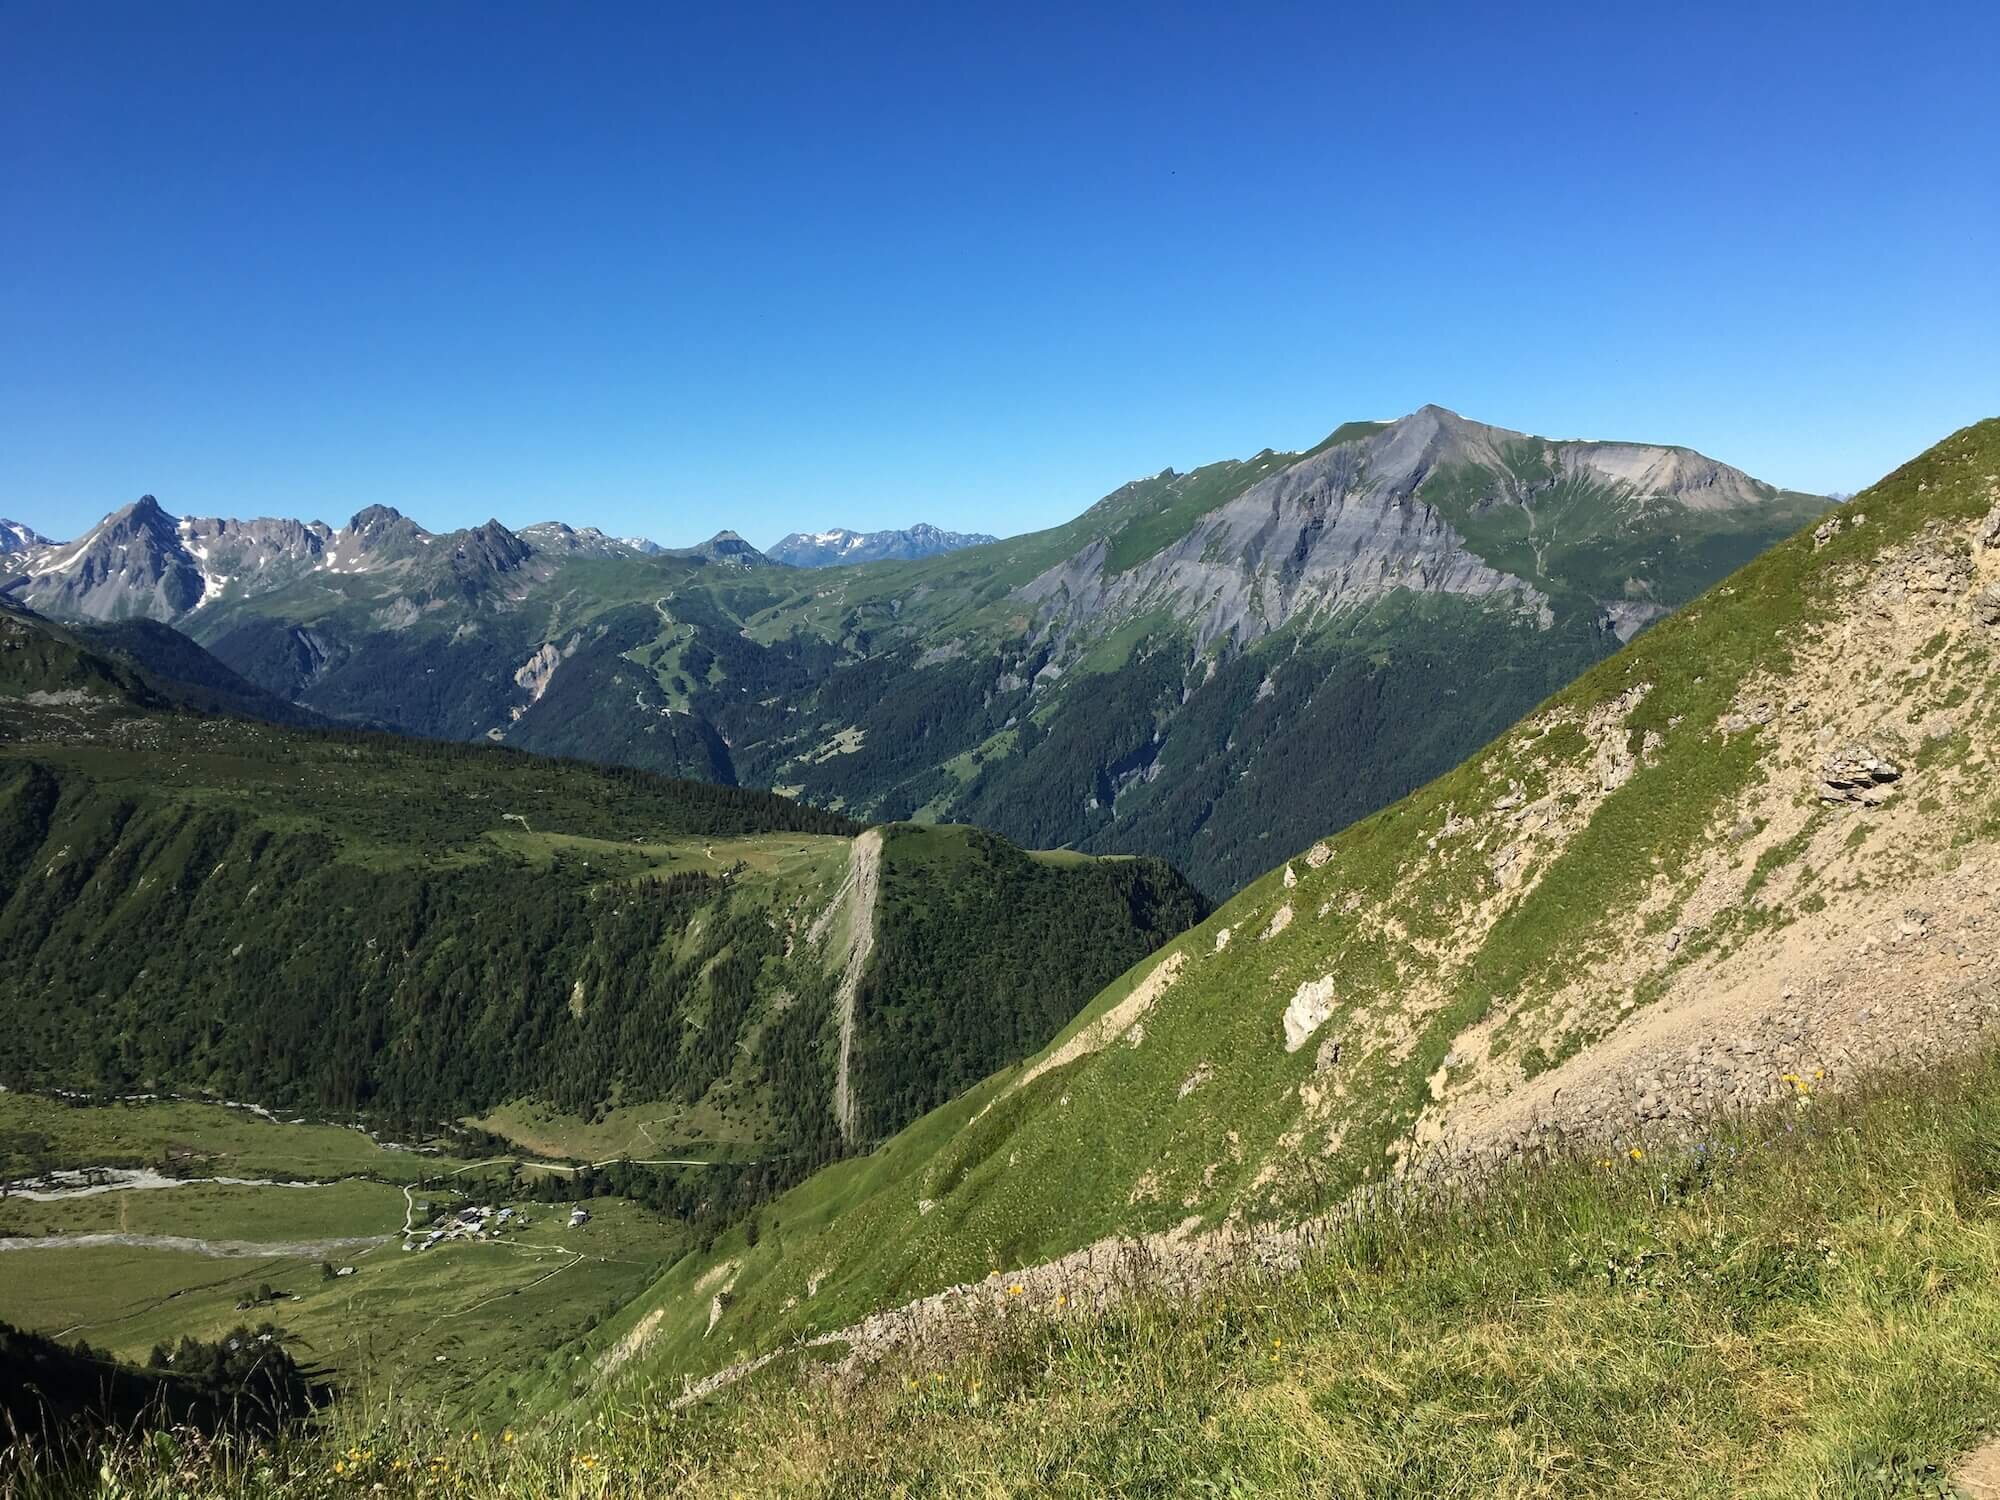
(648, 994)
(245, 1216)
(1800, 1306)
(1654, 899)
(425, 932)
(132, 662)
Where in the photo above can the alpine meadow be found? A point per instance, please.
(613, 883)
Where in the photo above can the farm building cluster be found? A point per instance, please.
(477, 1223)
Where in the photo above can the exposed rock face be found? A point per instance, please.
(491, 548)
(557, 538)
(1335, 531)
(1625, 618)
(1856, 773)
(724, 547)
(1345, 526)
(133, 563)
(142, 563)
(1310, 1006)
(376, 526)
(839, 546)
(534, 675)
(1696, 481)
(251, 555)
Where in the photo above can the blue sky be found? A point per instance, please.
(667, 269)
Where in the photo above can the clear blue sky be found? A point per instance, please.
(665, 269)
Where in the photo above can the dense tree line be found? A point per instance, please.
(73, 1395)
(184, 944)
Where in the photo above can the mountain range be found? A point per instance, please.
(885, 1092)
(839, 546)
(1180, 671)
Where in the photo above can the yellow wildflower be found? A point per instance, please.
(1014, 1290)
(1636, 1154)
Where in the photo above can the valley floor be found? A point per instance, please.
(1804, 1304)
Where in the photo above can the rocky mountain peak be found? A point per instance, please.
(491, 546)
(380, 526)
(728, 547)
(17, 537)
(372, 516)
(131, 563)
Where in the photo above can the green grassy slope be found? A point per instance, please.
(421, 931)
(1187, 1103)
(1803, 1306)
(476, 1327)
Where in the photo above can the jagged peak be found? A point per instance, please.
(145, 511)
(370, 516)
(18, 536)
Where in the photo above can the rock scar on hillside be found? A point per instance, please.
(1889, 944)
(860, 890)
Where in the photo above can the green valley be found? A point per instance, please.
(667, 1000)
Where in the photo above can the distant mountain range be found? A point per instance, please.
(141, 562)
(827, 549)
(1214, 667)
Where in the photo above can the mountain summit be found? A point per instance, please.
(14, 537)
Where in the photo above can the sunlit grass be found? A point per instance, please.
(1802, 1306)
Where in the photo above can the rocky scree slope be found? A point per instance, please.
(1749, 858)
